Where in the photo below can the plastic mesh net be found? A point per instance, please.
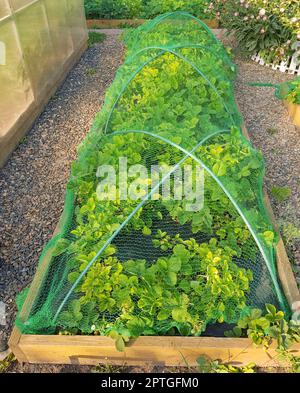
(289, 91)
(148, 264)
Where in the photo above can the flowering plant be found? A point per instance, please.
(269, 27)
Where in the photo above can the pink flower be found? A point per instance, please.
(298, 36)
(236, 14)
(262, 12)
(246, 18)
(262, 31)
(265, 18)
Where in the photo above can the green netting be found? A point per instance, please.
(153, 265)
(289, 91)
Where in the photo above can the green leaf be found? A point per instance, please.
(60, 247)
(163, 315)
(255, 313)
(181, 252)
(219, 169)
(174, 264)
(72, 277)
(271, 309)
(146, 231)
(184, 329)
(113, 334)
(136, 326)
(120, 344)
(180, 314)
(172, 278)
(268, 237)
(184, 285)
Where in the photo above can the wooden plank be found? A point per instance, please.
(14, 345)
(168, 351)
(294, 112)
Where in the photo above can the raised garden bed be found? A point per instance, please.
(49, 291)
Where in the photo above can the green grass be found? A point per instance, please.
(280, 194)
(272, 131)
(290, 232)
(91, 71)
(6, 363)
(95, 38)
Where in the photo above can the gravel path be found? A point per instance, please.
(272, 131)
(32, 184)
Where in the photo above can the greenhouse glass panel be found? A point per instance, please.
(36, 44)
(59, 29)
(76, 20)
(18, 4)
(39, 41)
(14, 81)
(4, 8)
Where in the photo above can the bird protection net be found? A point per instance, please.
(165, 228)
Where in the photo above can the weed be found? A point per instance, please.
(107, 369)
(290, 232)
(215, 366)
(23, 140)
(280, 194)
(91, 71)
(272, 131)
(95, 38)
(7, 362)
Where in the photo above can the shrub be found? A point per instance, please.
(119, 9)
(264, 26)
(156, 7)
(95, 38)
